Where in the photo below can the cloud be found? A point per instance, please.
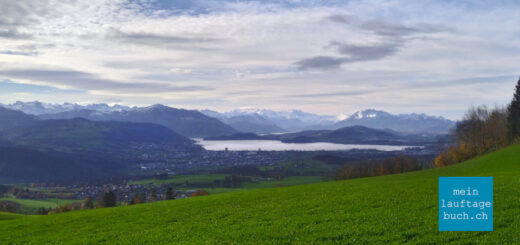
(16, 15)
(245, 52)
(320, 62)
(163, 40)
(353, 53)
(393, 36)
(389, 28)
(340, 18)
(331, 94)
(22, 53)
(364, 53)
(91, 82)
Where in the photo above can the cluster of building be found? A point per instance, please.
(186, 160)
(127, 193)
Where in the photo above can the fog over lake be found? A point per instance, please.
(274, 145)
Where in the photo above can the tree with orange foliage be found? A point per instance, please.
(441, 160)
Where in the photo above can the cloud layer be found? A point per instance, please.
(330, 57)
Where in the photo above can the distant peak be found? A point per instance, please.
(368, 113)
(155, 107)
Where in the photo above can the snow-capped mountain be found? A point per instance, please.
(405, 123)
(289, 121)
(253, 120)
(39, 108)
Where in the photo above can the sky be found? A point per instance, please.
(325, 57)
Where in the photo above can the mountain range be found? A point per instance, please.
(39, 108)
(405, 123)
(208, 123)
(265, 121)
(189, 123)
(268, 121)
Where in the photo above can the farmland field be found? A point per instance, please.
(29, 206)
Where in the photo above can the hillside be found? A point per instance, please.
(346, 135)
(188, 123)
(81, 135)
(20, 164)
(389, 209)
(11, 119)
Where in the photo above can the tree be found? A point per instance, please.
(109, 199)
(43, 211)
(63, 208)
(441, 160)
(170, 193)
(87, 203)
(153, 195)
(513, 112)
(140, 198)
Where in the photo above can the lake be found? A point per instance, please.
(274, 145)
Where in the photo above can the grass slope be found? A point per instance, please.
(389, 209)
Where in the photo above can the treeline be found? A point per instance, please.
(483, 130)
(111, 199)
(370, 168)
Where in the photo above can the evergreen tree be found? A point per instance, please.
(170, 193)
(513, 117)
(109, 199)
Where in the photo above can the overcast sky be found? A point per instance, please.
(326, 57)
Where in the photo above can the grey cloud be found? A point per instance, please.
(400, 30)
(362, 53)
(12, 33)
(320, 62)
(353, 53)
(158, 40)
(315, 95)
(22, 53)
(14, 15)
(393, 35)
(87, 81)
(468, 81)
(343, 19)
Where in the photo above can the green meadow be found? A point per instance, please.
(389, 209)
(209, 178)
(29, 206)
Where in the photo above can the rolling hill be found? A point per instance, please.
(10, 119)
(346, 135)
(389, 209)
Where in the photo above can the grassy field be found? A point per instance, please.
(31, 206)
(287, 181)
(389, 209)
(180, 179)
(8, 216)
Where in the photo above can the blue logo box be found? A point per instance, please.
(465, 203)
